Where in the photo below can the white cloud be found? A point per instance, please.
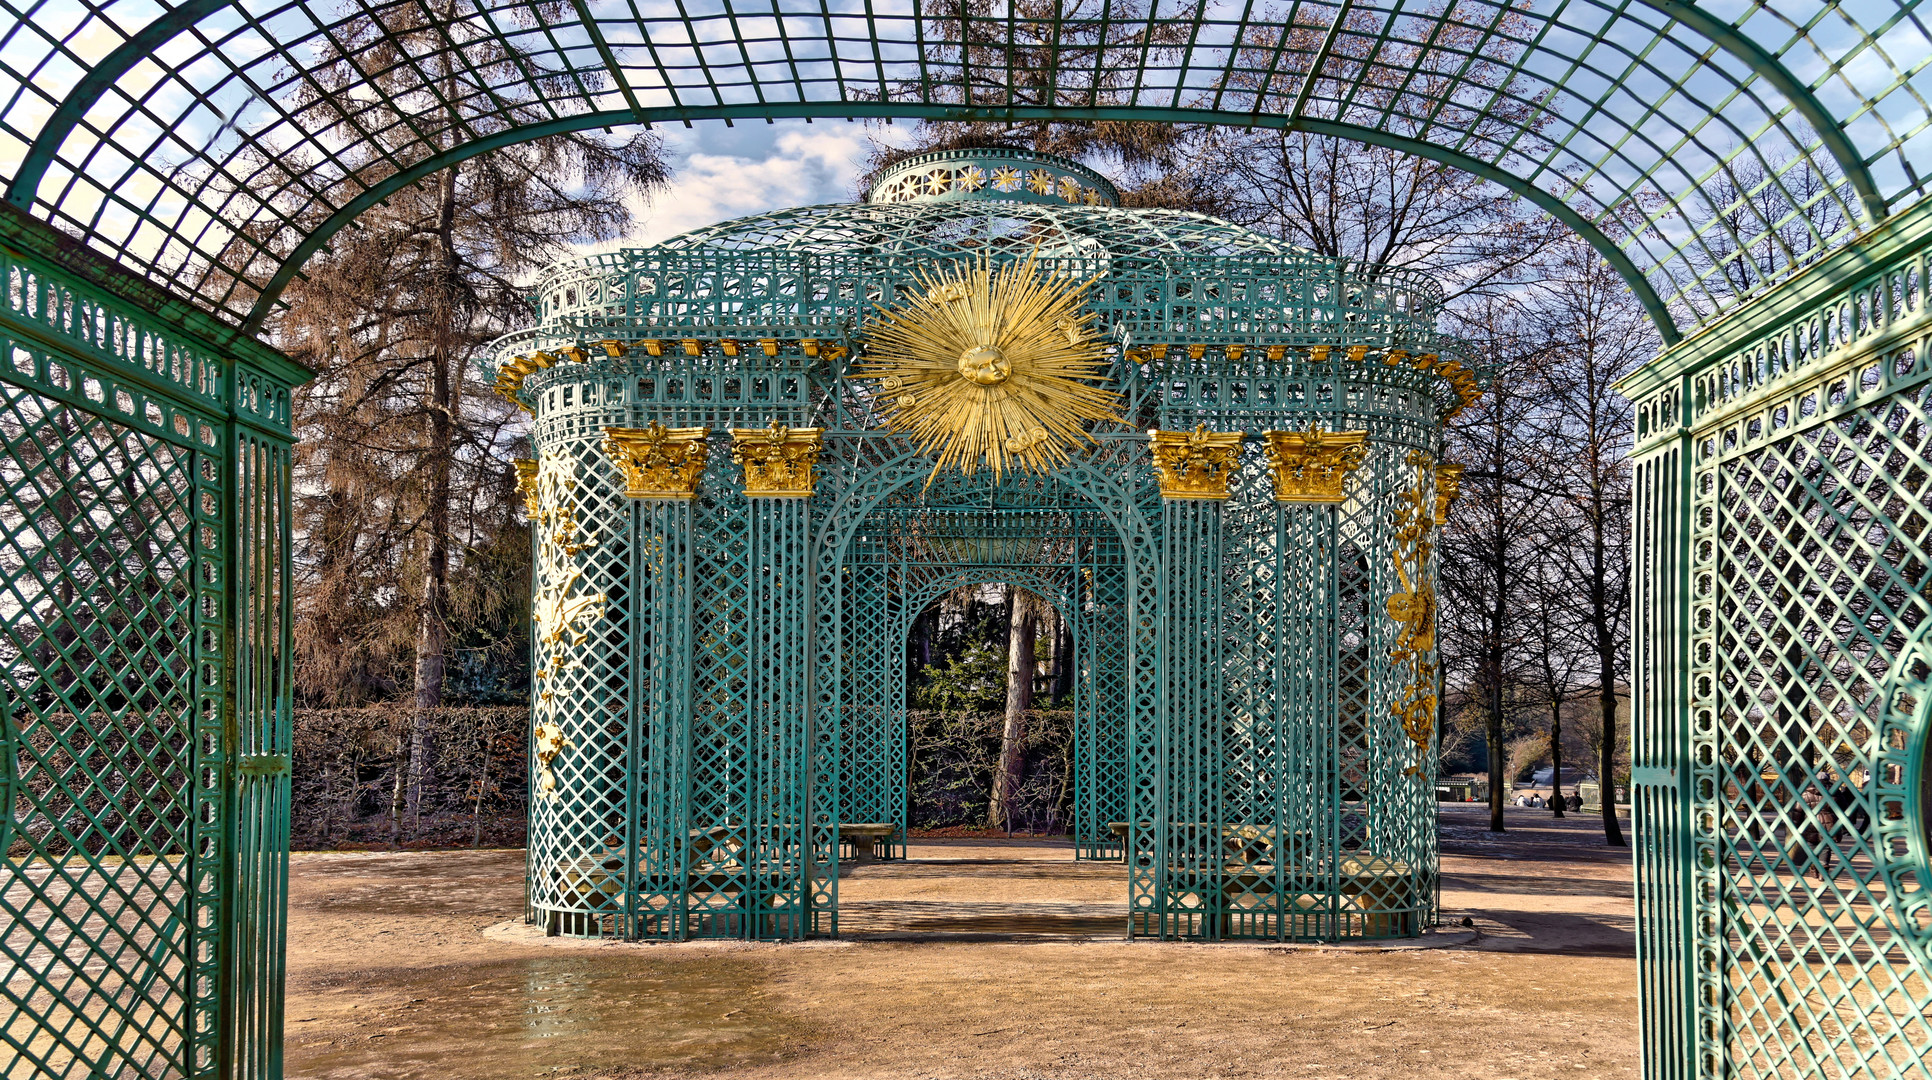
(796, 165)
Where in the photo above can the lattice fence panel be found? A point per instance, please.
(144, 668)
(1819, 557)
(98, 558)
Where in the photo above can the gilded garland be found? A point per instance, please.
(563, 612)
(1414, 610)
(992, 367)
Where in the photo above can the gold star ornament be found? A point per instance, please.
(992, 367)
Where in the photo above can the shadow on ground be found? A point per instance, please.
(391, 976)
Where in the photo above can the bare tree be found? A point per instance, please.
(1596, 333)
(1382, 209)
(1023, 621)
(1552, 639)
(1489, 544)
(401, 470)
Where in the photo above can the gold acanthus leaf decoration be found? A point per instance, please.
(1413, 607)
(658, 462)
(992, 367)
(1448, 489)
(550, 743)
(1312, 466)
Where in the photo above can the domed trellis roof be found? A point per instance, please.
(801, 280)
(1004, 203)
(919, 230)
(822, 271)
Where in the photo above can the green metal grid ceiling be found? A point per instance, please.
(1756, 171)
(1706, 149)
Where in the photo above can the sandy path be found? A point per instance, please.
(391, 976)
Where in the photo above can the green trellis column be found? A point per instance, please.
(1305, 705)
(1191, 715)
(1669, 876)
(778, 477)
(661, 468)
(662, 780)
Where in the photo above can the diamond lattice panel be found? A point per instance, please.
(96, 578)
(1821, 548)
(578, 836)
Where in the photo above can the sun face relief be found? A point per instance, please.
(985, 365)
(994, 367)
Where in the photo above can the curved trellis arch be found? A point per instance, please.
(218, 144)
(1113, 480)
(910, 605)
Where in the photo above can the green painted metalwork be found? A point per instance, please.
(1236, 693)
(1715, 151)
(1772, 154)
(1780, 679)
(143, 662)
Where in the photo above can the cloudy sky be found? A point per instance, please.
(728, 172)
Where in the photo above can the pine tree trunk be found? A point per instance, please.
(1022, 626)
(432, 617)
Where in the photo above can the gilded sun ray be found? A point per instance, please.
(993, 367)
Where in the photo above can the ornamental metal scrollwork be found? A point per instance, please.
(1448, 489)
(1312, 466)
(550, 742)
(1414, 610)
(1195, 464)
(562, 619)
(991, 367)
(778, 460)
(658, 462)
(527, 485)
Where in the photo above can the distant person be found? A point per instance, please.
(1851, 812)
(1816, 855)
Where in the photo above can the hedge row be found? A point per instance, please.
(351, 775)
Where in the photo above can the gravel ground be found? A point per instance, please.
(407, 965)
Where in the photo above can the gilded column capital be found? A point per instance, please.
(1195, 464)
(527, 485)
(778, 460)
(658, 462)
(1448, 489)
(1312, 466)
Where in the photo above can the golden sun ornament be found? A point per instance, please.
(992, 367)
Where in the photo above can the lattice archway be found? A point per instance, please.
(1710, 157)
(1116, 649)
(211, 145)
